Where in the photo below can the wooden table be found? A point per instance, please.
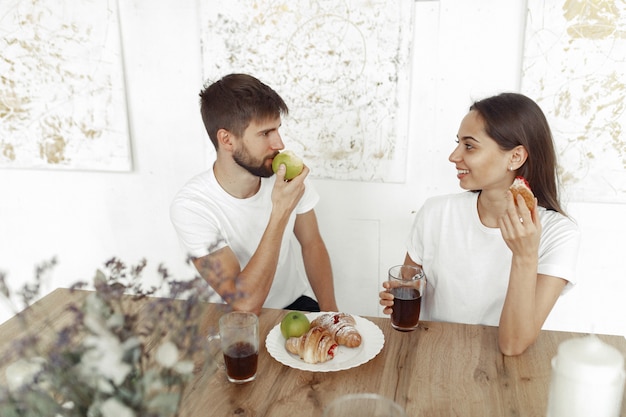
(442, 369)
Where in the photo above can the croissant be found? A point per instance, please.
(520, 186)
(341, 326)
(315, 346)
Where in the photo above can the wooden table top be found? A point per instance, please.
(441, 369)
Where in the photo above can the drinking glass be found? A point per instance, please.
(239, 343)
(407, 283)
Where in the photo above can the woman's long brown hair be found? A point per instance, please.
(513, 119)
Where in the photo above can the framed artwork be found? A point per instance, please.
(575, 68)
(62, 92)
(343, 68)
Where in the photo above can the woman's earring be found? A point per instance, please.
(511, 168)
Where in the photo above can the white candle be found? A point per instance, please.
(587, 379)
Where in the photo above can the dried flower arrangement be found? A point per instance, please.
(99, 364)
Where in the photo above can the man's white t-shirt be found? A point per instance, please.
(207, 218)
(467, 264)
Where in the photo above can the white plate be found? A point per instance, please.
(372, 341)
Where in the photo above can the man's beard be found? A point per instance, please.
(243, 159)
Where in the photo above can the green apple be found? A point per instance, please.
(294, 324)
(293, 163)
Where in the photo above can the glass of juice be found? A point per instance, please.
(407, 283)
(239, 342)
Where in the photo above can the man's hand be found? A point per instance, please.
(287, 194)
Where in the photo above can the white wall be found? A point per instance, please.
(463, 51)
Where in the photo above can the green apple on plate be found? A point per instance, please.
(294, 324)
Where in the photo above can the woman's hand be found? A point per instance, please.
(386, 299)
(520, 228)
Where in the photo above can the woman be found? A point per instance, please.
(488, 259)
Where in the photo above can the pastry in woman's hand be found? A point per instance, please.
(315, 346)
(521, 187)
(341, 326)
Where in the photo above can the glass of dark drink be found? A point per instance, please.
(239, 342)
(407, 283)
